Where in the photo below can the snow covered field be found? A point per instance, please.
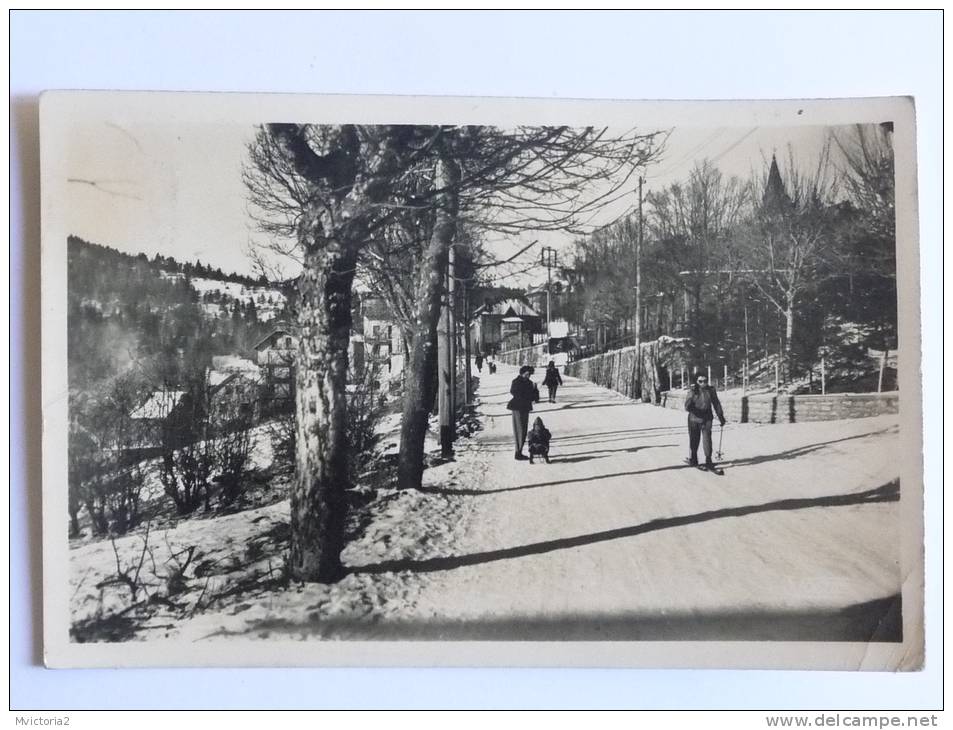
(268, 302)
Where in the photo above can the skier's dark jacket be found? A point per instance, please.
(552, 377)
(524, 392)
(699, 403)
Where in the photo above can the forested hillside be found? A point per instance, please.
(164, 317)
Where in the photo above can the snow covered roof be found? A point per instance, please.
(509, 308)
(266, 341)
(159, 405)
(233, 364)
(220, 377)
(217, 377)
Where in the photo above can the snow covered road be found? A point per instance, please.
(616, 538)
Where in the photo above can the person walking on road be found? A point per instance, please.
(552, 380)
(702, 405)
(524, 392)
(479, 362)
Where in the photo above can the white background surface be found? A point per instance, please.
(583, 55)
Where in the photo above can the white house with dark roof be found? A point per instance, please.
(277, 348)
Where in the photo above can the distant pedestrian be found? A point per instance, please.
(552, 380)
(524, 392)
(491, 364)
(702, 405)
(479, 362)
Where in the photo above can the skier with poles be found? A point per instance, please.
(700, 402)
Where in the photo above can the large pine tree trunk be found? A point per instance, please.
(418, 389)
(318, 498)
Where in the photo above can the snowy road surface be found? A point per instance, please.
(616, 538)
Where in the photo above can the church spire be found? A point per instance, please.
(775, 196)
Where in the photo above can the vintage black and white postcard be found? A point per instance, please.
(435, 381)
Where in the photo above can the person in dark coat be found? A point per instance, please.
(552, 380)
(479, 362)
(539, 438)
(524, 392)
(702, 404)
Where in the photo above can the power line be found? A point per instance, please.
(691, 153)
(731, 147)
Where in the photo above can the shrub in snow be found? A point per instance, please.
(105, 474)
(188, 456)
(364, 412)
(232, 418)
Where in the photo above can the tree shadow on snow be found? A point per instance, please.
(889, 492)
(464, 492)
(599, 454)
(798, 451)
(729, 463)
(601, 437)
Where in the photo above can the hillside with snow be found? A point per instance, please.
(217, 296)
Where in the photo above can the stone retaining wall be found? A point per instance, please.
(619, 370)
(616, 371)
(796, 408)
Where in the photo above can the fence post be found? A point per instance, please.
(880, 377)
(777, 376)
(709, 375)
(823, 376)
(724, 384)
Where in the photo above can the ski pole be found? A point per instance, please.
(721, 433)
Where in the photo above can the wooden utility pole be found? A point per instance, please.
(452, 326)
(468, 372)
(638, 276)
(880, 376)
(747, 346)
(548, 259)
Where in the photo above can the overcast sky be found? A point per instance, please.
(177, 190)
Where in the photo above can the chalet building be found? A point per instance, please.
(381, 339)
(275, 354)
(156, 420)
(378, 341)
(506, 325)
(277, 349)
(235, 389)
(159, 406)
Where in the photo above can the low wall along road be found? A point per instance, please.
(796, 408)
(616, 371)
